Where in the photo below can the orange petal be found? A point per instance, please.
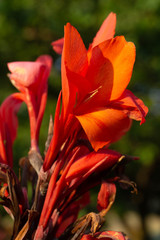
(65, 87)
(106, 31)
(132, 106)
(104, 126)
(79, 87)
(97, 88)
(100, 75)
(74, 58)
(122, 56)
(74, 51)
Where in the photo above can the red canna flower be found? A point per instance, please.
(94, 94)
(30, 78)
(95, 85)
(95, 106)
(8, 127)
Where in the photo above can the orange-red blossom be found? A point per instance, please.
(94, 94)
(96, 107)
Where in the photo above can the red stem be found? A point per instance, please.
(42, 105)
(31, 105)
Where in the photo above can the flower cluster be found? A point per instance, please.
(94, 109)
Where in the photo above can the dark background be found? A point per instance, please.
(27, 29)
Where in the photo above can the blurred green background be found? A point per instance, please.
(27, 29)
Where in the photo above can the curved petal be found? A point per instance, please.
(92, 162)
(74, 58)
(106, 195)
(74, 51)
(122, 56)
(104, 126)
(132, 106)
(100, 75)
(106, 31)
(58, 45)
(78, 86)
(95, 92)
(8, 126)
(45, 60)
(25, 73)
(9, 109)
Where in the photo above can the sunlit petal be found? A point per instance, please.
(132, 106)
(104, 126)
(122, 56)
(106, 31)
